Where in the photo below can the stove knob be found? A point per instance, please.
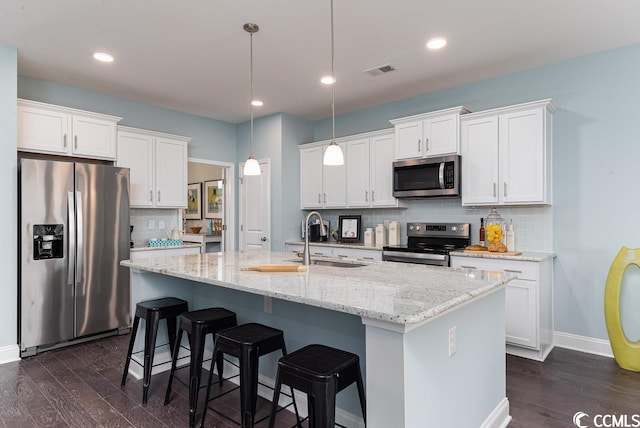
(411, 228)
(454, 228)
(417, 228)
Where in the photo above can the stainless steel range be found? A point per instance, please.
(429, 243)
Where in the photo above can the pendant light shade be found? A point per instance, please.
(333, 155)
(251, 166)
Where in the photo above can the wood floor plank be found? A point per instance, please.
(80, 386)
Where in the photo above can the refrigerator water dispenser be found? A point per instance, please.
(48, 241)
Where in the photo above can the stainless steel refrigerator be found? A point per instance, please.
(74, 231)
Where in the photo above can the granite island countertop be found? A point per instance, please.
(335, 244)
(398, 293)
(526, 256)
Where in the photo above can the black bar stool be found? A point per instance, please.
(198, 324)
(152, 311)
(320, 372)
(247, 342)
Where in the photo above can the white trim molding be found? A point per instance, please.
(499, 417)
(586, 344)
(9, 354)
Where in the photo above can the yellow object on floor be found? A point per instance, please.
(626, 353)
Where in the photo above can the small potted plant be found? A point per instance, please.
(334, 234)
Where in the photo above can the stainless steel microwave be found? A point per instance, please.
(427, 178)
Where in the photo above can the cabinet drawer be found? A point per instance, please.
(524, 270)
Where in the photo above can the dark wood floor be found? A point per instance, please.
(79, 386)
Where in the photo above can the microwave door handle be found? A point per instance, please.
(441, 175)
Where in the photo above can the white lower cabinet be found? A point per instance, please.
(326, 250)
(529, 304)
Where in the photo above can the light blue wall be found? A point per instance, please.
(595, 171)
(211, 139)
(9, 180)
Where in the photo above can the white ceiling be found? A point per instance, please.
(193, 55)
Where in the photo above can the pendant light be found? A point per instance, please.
(333, 154)
(251, 166)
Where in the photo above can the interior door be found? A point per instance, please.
(255, 209)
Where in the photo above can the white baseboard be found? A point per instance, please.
(9, 354)
(499, 417)
(586, 344)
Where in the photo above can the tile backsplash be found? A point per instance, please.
(532, 224)
(140, 218)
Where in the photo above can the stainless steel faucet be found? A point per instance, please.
(306, 257)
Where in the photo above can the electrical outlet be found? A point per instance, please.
(452, 341)
(152, 224)
(160, 224)
(267, 305)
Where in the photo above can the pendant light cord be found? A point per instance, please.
(251, 88)
(333, 87)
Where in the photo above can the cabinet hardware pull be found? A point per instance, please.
(64, 139)
(150, 195)
(325, 198)
(373, 196)
(158, 196)
(468, 267)
(319, 198)
(342, 256)
(512, 270)
(419, 142)
(318, 254)
(263, 239)
(426, 140)
(366, 196)
(75, 142)
(367, 258)
(494, 189)
(505, 189)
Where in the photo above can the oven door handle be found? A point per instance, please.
(418, 258)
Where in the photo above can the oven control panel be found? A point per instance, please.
(457, 230)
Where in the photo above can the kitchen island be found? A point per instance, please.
(431, 340)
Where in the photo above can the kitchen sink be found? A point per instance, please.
(333, 263)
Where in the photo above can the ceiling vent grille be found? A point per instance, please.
(381, 69)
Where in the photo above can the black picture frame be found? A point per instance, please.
(350, 228)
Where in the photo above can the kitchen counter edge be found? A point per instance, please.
(526, 256)
(354, 246)
(167, 247)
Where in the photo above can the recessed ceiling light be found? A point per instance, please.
(437, 43)
(103, 57)
(327, 80)
(257, 103)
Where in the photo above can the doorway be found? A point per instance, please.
(214, 179)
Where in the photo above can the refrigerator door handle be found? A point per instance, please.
(71, 233)
(80, 243)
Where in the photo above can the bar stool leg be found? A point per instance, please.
(216, 354)
(274, 402)
(324, 405)
(174, 359)
(171, 332)
(195, 371)
(132, 340)
(249, 389)
(151, 330)
(361, 395)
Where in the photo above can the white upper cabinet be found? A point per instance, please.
(46, 128)
(506, 155)
(365, 181)
(430, 134)
(158, 167)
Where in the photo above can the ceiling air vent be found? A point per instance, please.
(381, 69)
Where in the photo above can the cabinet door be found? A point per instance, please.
(93, 137)
(358, 162)
(479, 148)
(43, 130)
(135, 151)
(382, 149)
(334, 188)
(441, 135)
(522, 157)
(311, 177)
(408, 140)
(521, 320)
(171, 173)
